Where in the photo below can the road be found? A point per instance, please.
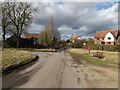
(60, 70)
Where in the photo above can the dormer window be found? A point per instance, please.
(109, 38)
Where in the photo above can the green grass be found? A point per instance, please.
(33, 49)
(13, 57)
(81, 53)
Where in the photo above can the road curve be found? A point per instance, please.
(60, 70)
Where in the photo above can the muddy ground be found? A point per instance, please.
(60, 70)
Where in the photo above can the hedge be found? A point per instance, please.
(77, 45)
(104, 47)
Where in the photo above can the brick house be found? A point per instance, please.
(33, 37)
(75, 38)
(108, 37)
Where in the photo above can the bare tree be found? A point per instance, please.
(4, 19)
(20, 15)
(50, 35)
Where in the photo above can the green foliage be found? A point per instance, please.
(104, 47)
(33, 49)
(91, 59)
(67, 41)
(79, 53)
(77, 44)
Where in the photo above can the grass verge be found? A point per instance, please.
(35, 50)
(12, 58)
(90, 59)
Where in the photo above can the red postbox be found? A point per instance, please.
(89, 48)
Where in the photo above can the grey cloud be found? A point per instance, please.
(83, 16)
(34, 28)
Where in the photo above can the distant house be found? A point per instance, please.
(75, 38)
(108, 37)
(32, 35)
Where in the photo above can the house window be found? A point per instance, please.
(97, 38)
(109, 42)
(109, 38)
(102, 42)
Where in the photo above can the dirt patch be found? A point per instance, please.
(78, 61)
(78, 80)
(94, 75)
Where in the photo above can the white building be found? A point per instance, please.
(75, 38)
(108, 37)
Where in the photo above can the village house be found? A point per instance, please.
(32, 36)
(108, 37)
(75, 38)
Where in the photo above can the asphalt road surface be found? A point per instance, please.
(60, 70)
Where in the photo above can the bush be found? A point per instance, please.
(111, 48)
(23, 42)
(11, 42)
(104, 47)
(77, 44)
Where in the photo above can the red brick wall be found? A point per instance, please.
(96, 41)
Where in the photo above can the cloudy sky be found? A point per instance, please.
(76, 18)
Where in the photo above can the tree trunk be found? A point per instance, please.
(17, 41)
(17, 44)
(4, 33)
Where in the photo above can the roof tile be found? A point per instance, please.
(102, 34)
(30, 35)
(74, 38)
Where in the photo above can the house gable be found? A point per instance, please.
(109, 37)
(75, 38)
(102, 34)
(79, 38)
